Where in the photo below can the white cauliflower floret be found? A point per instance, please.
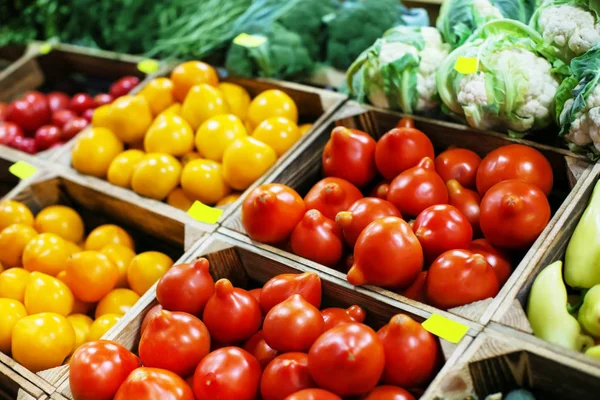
(585, 129)
(486, 10)
(472, 90)
(571, 27)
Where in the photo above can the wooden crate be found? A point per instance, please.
(8, 157)
(22, 395)
(11, 56)
(247, 266)
(303, 169)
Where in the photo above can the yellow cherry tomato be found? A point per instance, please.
(304, 128)
(91, 275)
(201, 103)
(11, 311)
(202, 180)
(13, 240)
(237, 99)
(216, 133)
(121, 256)
(14, 212)
(147, 268)
(122, 167)
(62, 221)
(81, 324)
(175, 109)
(169, 134)
(194, 155)
(45, 293)
(46, 253)
(73, 247)
(189, 74)
(159, 94)
(278, 132)
(108, 234)
(230, 198)
(42, 341)
(246, 160)
(272, 103)
(156, 176)
(117, 301)
(128, 117)
(178, 199)
(102, 325)
(94, 151)
(12, 284)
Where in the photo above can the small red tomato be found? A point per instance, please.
(255, 293)
(88, 114)
(513, 214)
(73, 127)
(388, 392)
(154, 383)
(405, 122)
(495, 257)
(154, 311)
(24, 144)
(61, 117)
(336, 316)
(46, 136)
(467, 202)
(350, 154)
(361, 213)
(381, 190)
(460, 277)
(58, 101)
(271, 212)
(102, 99)
(81, 102)
(417, 188)
(313, 394)
(281, 287)
(258, 347)
(458, 164)
(123, 86)
(30, 112)
(416, 291)
(8, 132)
(317, 238)
(285, 375)
(3, 111)
(332, 195)
(401, 149)
(229, 373)
(186, 287)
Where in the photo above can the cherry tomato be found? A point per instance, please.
(88, 114)
(281, 287)
(271, 212)
(361, 213)
(416, 291)
(73, 127)
(347, 360)
(229, 373)
(318, 238)
(336, 316)
(332, 195)
(460, 277)
(81, 102)
(515, 161)
(24, 144)
(417, 188)
(497, 258)
(458, 164)
(123, 86)
(30, 112)
(313, 394)
(467, 202)
(405, 122)
(186, 287)
(46, 136)
(350, 154)
(154, 311)
(513, 214)
(102, 99)
(61, 117)
(387, 392)
(381, 190)
(258, 347)
(154, 383)
(8, 132)
(401, 149)
(58, 101)
(285, 375)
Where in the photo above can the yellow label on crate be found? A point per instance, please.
(466, 65)
(148, 66)
(245, 40)
(445, 328)
(203, 213)
(22, 170)
(45, 48)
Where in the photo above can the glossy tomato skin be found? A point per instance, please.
(381, 190)
(271, 212)
(281, 287)
(81, 102)
(347, 360)
(337, 316)
(405, 122)
(313, 394)
(388, 392)
(350, 154)
(318, 238)
(97, 369)
(285, 375)
(332, 195)
(256, 293)
(467, 202)
(497, 258)
(46, 136)
(513, 214)
(154, 383)
(416, 291)
(401, 149)
(102, 99)
(515, 161)
(258, 347)
(88, 114)
(73, 127)
(123, 86)
(229, 373)
(30, 112)
(417, 188)
(361, 213)
(8, 132)
(58, 101)
(459, 164)
(154, 311)
(460, 277)
(25, 144)
(61, 117)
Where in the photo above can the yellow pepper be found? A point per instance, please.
(128, 117)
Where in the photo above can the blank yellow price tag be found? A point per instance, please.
(45, 48)
(243, 39)
(466, 65)
(445, 328)
(203, 213)
(22, 170)
(148, 66)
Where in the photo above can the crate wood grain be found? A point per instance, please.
(11, 56)
(22, 395)
(12, 385)
(303, 169)
(248, 267)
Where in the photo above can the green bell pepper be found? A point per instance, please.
(589, 313)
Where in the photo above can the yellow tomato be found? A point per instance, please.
(101, 326)
(178, 199)
(147, 268)
(62, 221)
(216, 133)
(156, 175)
(46, 253)
(72, 247)
(237, 99)
(122, 167)
(13, 240)
(44, 293)
(12, 284)
(189, 74)
(175, 109)
(42, 341)
(203, 102)
(117, 301)
(94, 150)
(246, 160)
(203, 180)
(121, 256)
(81, 325)
(14, 212)
(272, 103)
(169, 134)
(194, 155)
(91, 275)
(278, 132)
(304, 128)
(229, 199)
(128, 117)
(11, 311)
(159, 94)
(108, 234)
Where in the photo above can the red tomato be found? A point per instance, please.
(257, 346)
(336, 316)
(318, 238)
(418, 188)
(405, 122)
(102, 99)
(60, 118)
(123, 86)
(387, 253)
(154, 311)
(361, 213)
(186, 287)
(313, 394)
(231, 314)
(30, 112)
(271, 212)
(381, 190)
(350, 154)
(401, 149)
(515, 161)
(347, 360)
(513, 214)
(81, 102)
(8, 132)
(411, 353)
(460, 277)
(458, 164)
(88, 114)
(293, 325)
(154, 383)
(285, 375)
(497, 258)
(416, 291)
(97, 369)
(229, 373)
(441, 228)
(332, 195)
(73, 127)
(46, 136)
(3, 111)
(174, 341)
(466, 201)
(58, 101)
(387, 392)
(281, 287)
(255, 293)
(24, 144)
